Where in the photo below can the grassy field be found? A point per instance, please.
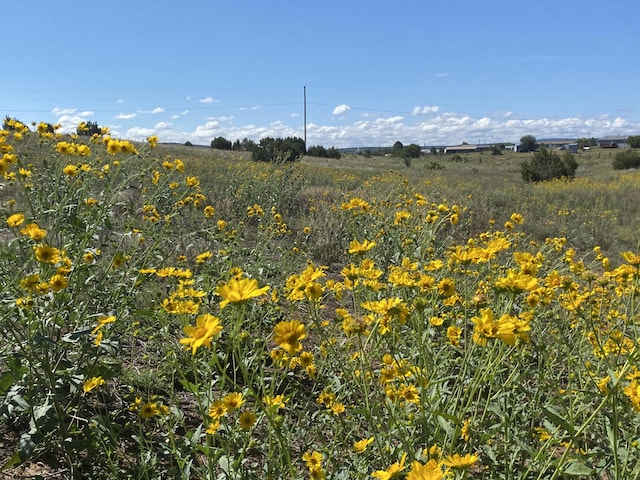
(180, 312)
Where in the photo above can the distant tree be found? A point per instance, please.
(528, 143)
(317, 151)
(547, 165)
(221, 143)
(188, 144)
(625, 159)
(396, 151)
(367, 153)
(246, 145)
(634, 141)
(433, 150)
(496, 150)
(278, 150)
(333, 152)
(411, 151)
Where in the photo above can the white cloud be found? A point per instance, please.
(341, 109)
(154, 111)
(63, 111)
(425, 110)
(208, 100)
(295, 115)
(69, 119)
(126, 116)
(139, 133)
(162, 125)
(442, 75)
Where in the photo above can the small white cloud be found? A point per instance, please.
(63, 111)
(208, 100)
(126, 116)
(119, 101)
(157, 110)
(341, 109)
(425, 110)
(139, 133)
(162, 125)
(188, 98)
(294, 115)
(69, 119)
(442, 75)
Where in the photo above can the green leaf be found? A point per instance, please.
(578, 469)
(188, 386)
(73, 336)
(12, 462)
(41, 411)
(557, 420)
(444, 424)
(26, 447)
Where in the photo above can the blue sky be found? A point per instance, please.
(426, 72)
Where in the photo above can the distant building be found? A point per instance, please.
(467, 148)
(613, 141)
(558, 143)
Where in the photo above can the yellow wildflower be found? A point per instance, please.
(15, 220)
(92, 383)
(361, 445)
(392, 472)
(207, 326)
(239, 290)
(288, 334)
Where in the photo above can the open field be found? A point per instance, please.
(180, 312)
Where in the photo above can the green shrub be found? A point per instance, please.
(333, 152)
(546, 165)
(221, 143)
(626, 159)
(317, 151)
(278, 150)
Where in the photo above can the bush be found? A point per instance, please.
(528, 143)
(626, 159)
(246, 145)
(317, 151)
(278, 150)
(221, 143)
(634, 141)
(547, 165)
(333, 152)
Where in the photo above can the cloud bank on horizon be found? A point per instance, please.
(424, 125)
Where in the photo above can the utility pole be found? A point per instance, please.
(305, 117)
